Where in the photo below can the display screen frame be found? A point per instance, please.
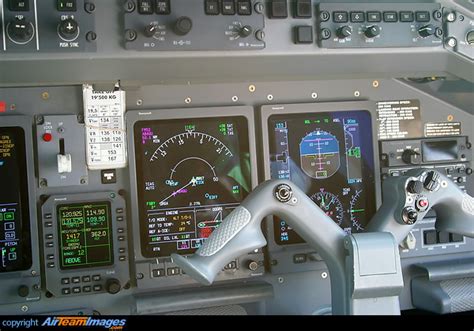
(111, 259)
(327, 107)
(189, 114)
(20, 135)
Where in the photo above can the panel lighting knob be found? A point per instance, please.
(372, 31)
(20, 30)
(113, 286)
(183, 26)
(427, 30)
(470, 37)
(68, 29)
(23, 291)
(409, 156)
(245, 31)
(344, 32)
(150, 30)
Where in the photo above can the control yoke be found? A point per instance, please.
(407, 200)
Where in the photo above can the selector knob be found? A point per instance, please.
(20, 30)
(183, 26)
(245, 31)
(23, 291)
(150, 30)
(344, 32)
(372, 31)
(470, 37)
(409, 156)
(68, 29)
(427, 30)
(415, 187)
(113, 286)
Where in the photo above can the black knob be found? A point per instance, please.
(427, 30)
(23, 291)
(113, 286)
(183, 25)
(344, 32)
(409, 156)
(431, 181)
(20, 30)
(150, 30)
(470, 37)
(245, 31)
(410, 215)
(415, 187)
(68, 28)
(372, 31)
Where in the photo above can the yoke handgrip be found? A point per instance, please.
(408, 199)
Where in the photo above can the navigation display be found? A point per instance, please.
(85, 232)
(15, 240)
(191, 173)
(330, 157)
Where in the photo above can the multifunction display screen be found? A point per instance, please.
(85, 235)
(191, 173)
(15, 239)
(329, 156)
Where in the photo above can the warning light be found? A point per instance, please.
(3, 106)
(47, 137)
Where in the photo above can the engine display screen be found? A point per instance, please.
(191, 173)
(85, 235)
(329, 156)
(15, 239)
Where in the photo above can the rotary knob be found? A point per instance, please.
(23, 291)
(68, 29)
(344, 32)
(245, 31)
(113, 286)
(415, 187)
(372, 31)
(20, 30)
(470, 37)
(183, 26)
(427, 30)
(150, 30)
(409, 156)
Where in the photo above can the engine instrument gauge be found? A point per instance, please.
(330, 204)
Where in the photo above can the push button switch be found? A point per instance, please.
(244, 7)
(422, 16)
(406, 16)
(66, 5)
(303, 35)
(212, 7)
(19, 5)
(228, 7)
(374, 16)
(163, 7)
(145, 7)
(390, 17)
(279, 9)
(430, 237)
(303, 9)
(340, 17)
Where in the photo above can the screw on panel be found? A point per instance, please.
(36, 287)
(61, 130)
(83, 181)
(357, 94)
(130, 35)
(281, 280)
(24, 308)
(89, 7)
(188, 100)
(33, 272)
(43, 182)
(80, 118)
(450, 118)
(39, 119)
(451, 17)
(235, 98)
(314, 95)
(252, 88)
(451, 42)
(140, 276)
(461, 18)
(139, 102)
(12, 106)
(91, 36)
(324, 275)
(270, 97)
(45, 95)
(259, 8)
(129, 6)
(260, 35)
(375, 83)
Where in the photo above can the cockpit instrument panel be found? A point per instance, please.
(330, 155)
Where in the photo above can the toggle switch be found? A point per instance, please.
(64, 163)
